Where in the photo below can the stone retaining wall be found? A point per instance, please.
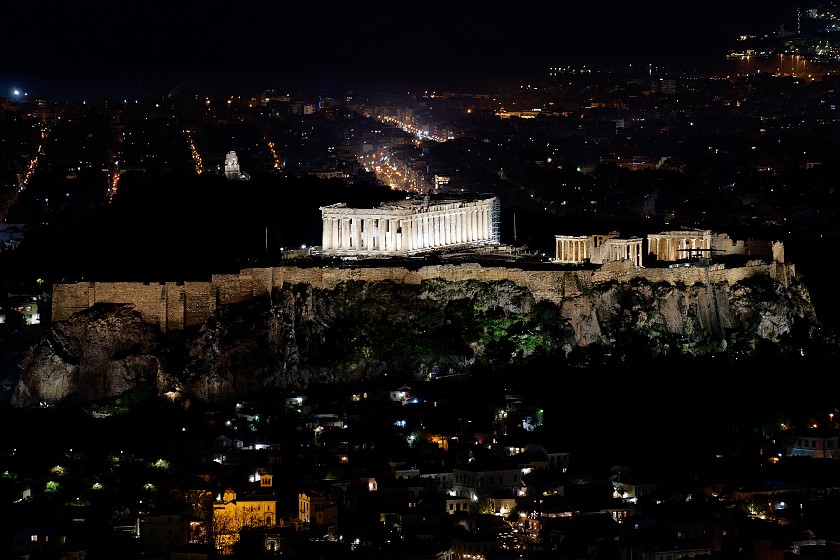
(175, 306)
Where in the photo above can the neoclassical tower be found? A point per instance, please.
(232, 166)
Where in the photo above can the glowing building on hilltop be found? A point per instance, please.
(409, 226)
(232, 168)
(597, 249)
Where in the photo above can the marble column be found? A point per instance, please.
(465, 227)
(392, 231)
(427, 232)
(447, 229)
(475, 225)
(345, 233)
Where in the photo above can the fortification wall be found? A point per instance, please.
(199, 302)
(178, 305)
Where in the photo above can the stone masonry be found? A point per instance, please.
(175, 306)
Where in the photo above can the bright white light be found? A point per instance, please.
(16, 92)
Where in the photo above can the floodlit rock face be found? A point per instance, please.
(101, 352)
(357, 330)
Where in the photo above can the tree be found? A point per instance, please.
(200, 504)
(482, 506)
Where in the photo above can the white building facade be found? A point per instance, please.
(670, 246)
(597, 249)
(232, 170)
(410, 226)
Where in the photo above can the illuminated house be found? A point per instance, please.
(457, 505)
(480, 480)
(819, 443)
(27, 306)
(316, 508)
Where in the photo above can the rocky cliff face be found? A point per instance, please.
(302, 335)
(99, 353)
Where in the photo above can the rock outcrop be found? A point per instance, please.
(101, 352)
(300, 335)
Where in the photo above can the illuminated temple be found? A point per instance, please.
(409, 226)
(668, 246)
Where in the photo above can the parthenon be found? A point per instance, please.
(409, 226)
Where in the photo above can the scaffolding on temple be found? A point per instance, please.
(409, 226)
(495, 221)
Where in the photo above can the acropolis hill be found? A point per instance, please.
(290, 326)
(177, 305)
(417, 227)
(448, 299)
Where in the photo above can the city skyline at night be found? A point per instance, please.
(458, 280)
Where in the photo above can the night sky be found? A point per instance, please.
(72, 49)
